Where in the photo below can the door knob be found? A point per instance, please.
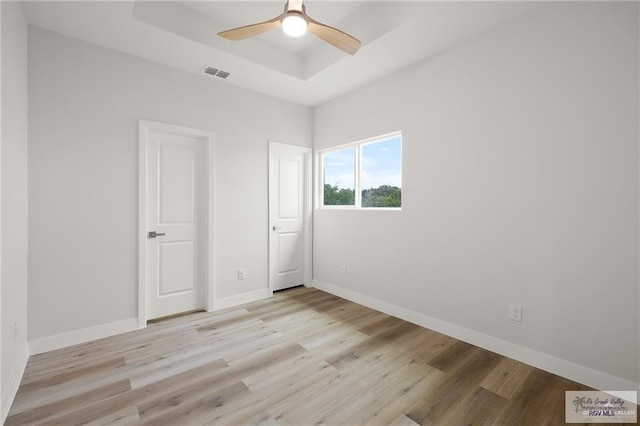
(275, 228)
(153, 234)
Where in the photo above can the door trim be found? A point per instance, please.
(308, 209)
(146, 126)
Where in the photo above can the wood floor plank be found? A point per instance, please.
(344, 409)
(407, 382)
(449, 358)
(80, 385)
(325, 393)
(403, 420)
(395, 393)
(266, 357)
(115, 344)
(507, 378)
(385, 336)
(285, 384)
(139, 340)
(261, 419)
(342, 323)
(539, 401)
(301, 357)
(270, 379)
(232, 320)
(464, 377)
(68, 404)
(107, 365)
(113, 406)
(380, 325)
(123, 417)
(189, 403)
(168, 370)
(479, 407)
(338, 347)
(426, 346)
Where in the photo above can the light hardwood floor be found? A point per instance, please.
(302, 357)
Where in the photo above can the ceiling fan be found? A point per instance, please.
(295, 22)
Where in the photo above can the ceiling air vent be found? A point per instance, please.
(215, 72)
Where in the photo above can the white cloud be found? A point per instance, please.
(341, 180)
(334, 162)
(369, 162)
(384, 177)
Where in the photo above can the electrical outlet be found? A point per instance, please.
(515, 313)
(241, 274)
(343, 270)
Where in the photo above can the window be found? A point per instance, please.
(372, 169)
(340, 177)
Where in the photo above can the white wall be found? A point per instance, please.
(84, 106)
(520, 186)
(14, 198)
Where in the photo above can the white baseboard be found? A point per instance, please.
(578, 373)
(228, 302)
(9, 393)
(63, 340)
(84, 335)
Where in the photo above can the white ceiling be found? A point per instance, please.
(182, 34)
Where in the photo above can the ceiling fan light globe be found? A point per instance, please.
(294, 25)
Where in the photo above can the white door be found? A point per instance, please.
(175, 224)
(289, 215)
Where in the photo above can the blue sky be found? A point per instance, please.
(381, 165)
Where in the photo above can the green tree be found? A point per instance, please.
(338, 197)
(383, 196)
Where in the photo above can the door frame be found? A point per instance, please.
(308, 208)
(146, 126)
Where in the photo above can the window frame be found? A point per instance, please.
(357, 172)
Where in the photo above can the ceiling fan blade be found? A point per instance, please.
(247, 31)
(294, 5)
(334, 36)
